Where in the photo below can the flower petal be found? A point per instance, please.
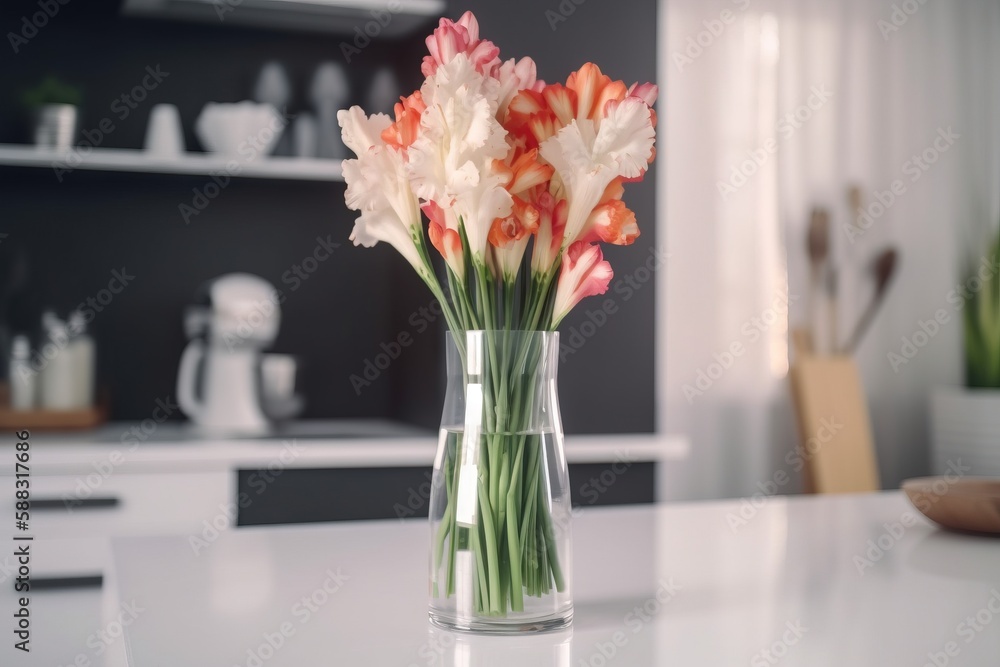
(528, 172)
(562, 101)
(549, 237)
(647, 92)
(383, 225)
(453, 37)
(627, 136)
(404, 131)
(361, 132)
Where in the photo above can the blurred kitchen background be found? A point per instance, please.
(873, 123)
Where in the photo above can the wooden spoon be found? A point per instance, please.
(884, 268)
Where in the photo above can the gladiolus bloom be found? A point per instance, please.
(584, 273)
(462, 36)
(497, 160)
(445, 238)
(377, 187)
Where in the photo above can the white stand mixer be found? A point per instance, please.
(237, 317)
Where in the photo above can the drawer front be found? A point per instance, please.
(124, 504)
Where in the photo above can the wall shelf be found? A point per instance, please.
(197, 164)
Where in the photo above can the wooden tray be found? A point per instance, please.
(50, 420)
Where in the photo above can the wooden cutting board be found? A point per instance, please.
(835, 430)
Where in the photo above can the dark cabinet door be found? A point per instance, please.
(306, 495)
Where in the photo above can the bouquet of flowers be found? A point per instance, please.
(520, 183)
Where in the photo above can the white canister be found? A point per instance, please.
(58, 388)
(23, 378)
(82, 349)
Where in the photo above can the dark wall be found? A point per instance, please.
(73, 234)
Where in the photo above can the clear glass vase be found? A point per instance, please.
(500, 501)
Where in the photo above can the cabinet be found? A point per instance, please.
(198, 487)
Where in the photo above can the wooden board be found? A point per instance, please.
(49, 420)
(834, 426)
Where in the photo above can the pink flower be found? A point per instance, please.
(444, 236)
(647, 92)
(584, 273)
(451, 38)
(515, 76)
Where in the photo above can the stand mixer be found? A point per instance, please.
(235, 317)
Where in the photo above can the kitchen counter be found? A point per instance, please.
(838, 580)
(179, 447)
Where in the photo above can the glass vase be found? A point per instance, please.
(500, 501)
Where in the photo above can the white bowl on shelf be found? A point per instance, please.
(245, 131)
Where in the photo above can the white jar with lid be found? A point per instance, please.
(58, 387)
(81, 348)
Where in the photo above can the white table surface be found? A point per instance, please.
(787, 582)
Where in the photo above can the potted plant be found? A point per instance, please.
(52, 106)
(966, 421)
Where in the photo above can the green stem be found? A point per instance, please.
(453, 545)
(477, 548)
(492, 564)
(551, 556)
(514, 553)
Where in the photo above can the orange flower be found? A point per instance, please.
(567, 119)
(509, 237)
(551, 228)
(610, 220)
(527, 172)
(593, 90)
(613, 223)
(403, 132)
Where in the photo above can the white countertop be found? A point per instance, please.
(787, 587)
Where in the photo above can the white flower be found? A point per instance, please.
(587, 155)
(377, 187)
(451, 162)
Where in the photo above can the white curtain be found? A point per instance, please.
(771, 107)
